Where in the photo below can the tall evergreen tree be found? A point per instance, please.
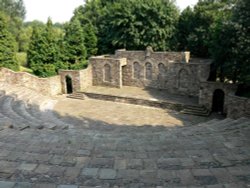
(7, 46)
(89, 30)
(15, 12)
(43, 54)
(75, 50)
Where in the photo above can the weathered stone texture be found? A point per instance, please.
(162, 70)
(86, 77)
(45, 86)
(238, 107)
(74, 75)
(207, 91)
(107, 71)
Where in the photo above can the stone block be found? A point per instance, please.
(107, 174)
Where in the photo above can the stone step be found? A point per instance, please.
(20, 108)
(198, 111)
(45, 116)
(6, 109)
(77, 95)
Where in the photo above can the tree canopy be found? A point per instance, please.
(7, 46)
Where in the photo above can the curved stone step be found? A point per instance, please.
(7, 110)
(46, 116)
(20, 108)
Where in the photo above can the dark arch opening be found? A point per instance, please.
(69, 86)
(218, 101)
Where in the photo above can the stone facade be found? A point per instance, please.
(238, 107)
(81, 79)
(45, 86)
(107, 71)
(207, 90)
(171, 71)
(86, 78)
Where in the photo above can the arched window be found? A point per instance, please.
(137, 70)
(183, 79)
(162, 70)
(107, 73)
(148, 72)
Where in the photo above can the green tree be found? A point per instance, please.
(7, 46)
(89, 30)
(75, 50)
(43, 54)
(15, 12)
(131, 24)
(185, 26)
(136, 24)
(196, 27)
(13, 8)
(241, 22)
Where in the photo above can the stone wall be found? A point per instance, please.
(75, 77)
(107, 71)
(46, 86)
(238, 107)
(171, 71)
(207, 91)
(86, 77)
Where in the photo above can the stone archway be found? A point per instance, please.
(218, 101)
(69, 85)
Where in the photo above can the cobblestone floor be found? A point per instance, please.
(104, 153)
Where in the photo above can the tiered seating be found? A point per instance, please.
(23, 108)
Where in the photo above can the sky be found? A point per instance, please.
(62, 10)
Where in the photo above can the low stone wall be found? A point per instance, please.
(207, 90)
(238, 107)
(86, 78)
(46, 86)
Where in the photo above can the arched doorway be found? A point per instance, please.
(218, 101)
(69, 87)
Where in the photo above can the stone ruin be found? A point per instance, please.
(172, 72)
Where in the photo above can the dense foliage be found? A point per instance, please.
(14, 11)
(7, 46)
(131, 24)
(43, 53)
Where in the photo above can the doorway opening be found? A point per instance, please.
(218, 101)
(69, 87)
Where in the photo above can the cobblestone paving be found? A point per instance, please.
(215, 154)
(123, 114)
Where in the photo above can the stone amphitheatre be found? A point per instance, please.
(132, 119)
